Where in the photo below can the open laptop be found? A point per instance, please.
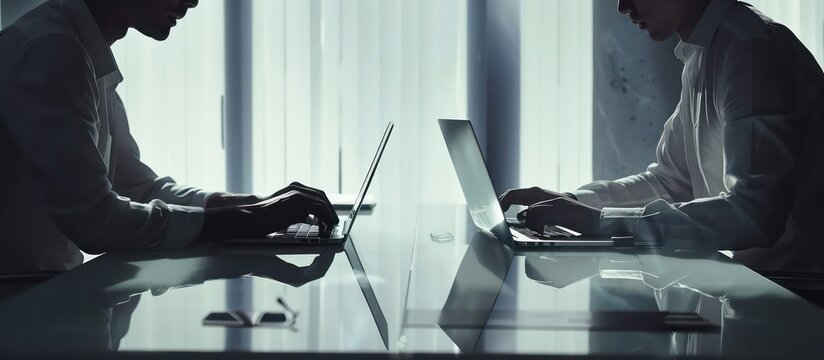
(483, 205)
(311, 233)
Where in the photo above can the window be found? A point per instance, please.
(330, 74)
(172, 92)
(556, 93)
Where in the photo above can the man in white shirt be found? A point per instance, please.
(71, 174)
(739, 166)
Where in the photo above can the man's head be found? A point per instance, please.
(662, 18)
(155, 18)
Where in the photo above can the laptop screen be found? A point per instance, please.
(369, 175)
(473, 175)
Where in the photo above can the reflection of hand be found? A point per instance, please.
(527, 197)
(563, 212)
(288, 206)
(294, 275)
(262, 266)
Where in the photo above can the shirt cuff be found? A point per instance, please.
(200, 198)
(620, 221)
(185, 225)
(588, 197)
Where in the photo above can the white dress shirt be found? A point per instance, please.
(71, 172)
(741, 162)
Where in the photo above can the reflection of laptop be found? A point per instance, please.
(312, 234)
(483, 204)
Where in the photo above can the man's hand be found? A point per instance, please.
(564, 212)
(219, 200)
(288, 206)
(296, 186)
(527, 197)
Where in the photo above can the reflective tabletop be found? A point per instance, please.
(427, 284)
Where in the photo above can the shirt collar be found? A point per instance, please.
(709, 23)
(92, 39)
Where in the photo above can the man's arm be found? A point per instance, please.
(226, 215)
(49, 106)
(666, 179)
(763, 128)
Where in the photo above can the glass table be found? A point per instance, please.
(418, 286)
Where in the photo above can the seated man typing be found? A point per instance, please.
(740, 161)
(72, 177)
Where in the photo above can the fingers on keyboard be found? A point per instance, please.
(303, 231)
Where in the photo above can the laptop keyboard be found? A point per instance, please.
(549, 232)
(302, 231)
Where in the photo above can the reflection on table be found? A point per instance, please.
(438, 286)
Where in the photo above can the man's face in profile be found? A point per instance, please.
(155, 18)
(661, 18)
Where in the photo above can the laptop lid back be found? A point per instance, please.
(470, 166)
(368, 181)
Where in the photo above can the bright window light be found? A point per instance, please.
(556, 93)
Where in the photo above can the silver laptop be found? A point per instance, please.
(312, 233)
(482, 202)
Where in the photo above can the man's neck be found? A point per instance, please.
(693, 14)
(112, 22)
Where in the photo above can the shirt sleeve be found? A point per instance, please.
(50, 107)
(134, 179)
(667, 178)
(762, 132)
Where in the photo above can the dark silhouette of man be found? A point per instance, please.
(739, 163)
(72, 178)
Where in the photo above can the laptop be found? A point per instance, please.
(484, 208)
(311, 233)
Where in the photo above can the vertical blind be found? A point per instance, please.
(556, 129)
(556, 93)
(172, 92)
(330, 74)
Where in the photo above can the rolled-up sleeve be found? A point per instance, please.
(763, 129)
(667, 178)
(50, 104)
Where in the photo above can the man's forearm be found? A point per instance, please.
(704, 224)
(221, 200)
(629, 192)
